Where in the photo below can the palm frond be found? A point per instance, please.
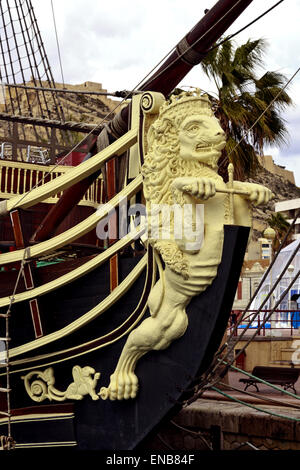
(246, 107)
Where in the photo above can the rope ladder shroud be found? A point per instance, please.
(7, 442)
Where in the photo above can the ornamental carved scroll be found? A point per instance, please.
(40, 385)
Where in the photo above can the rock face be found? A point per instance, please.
(282, 189)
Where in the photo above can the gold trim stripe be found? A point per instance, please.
(59, 353)
(46, 444)
(75, 174)
(117, 293)
(37, 417)
(76, 273)
(75, 232)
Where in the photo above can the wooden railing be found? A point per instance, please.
(17, 178)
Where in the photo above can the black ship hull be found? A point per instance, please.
(164, 376)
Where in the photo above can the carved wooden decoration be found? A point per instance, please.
(184, 144)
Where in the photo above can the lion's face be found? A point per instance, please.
(201, 138)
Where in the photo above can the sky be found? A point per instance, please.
(117, 43)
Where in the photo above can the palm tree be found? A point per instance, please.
(279, 223)
(241, 98)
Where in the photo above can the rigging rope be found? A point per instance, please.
(117, 94)
(261, 397)
(245, 27)
(297, 397)
(216, 362)
(264, 112)
(199, 39)
(9, 442)
(241, 402)
(57, 43)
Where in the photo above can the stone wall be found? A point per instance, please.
(210, 424)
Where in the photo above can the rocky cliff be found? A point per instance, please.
(282, 189)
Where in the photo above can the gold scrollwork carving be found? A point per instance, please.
(42, 387)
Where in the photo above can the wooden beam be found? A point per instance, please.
(66, 126)
(113, 224)
(27, 274)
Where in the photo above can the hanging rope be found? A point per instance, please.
(260, 397)
(194, 433)
(241, 402)
(117, 94)
(57, 43)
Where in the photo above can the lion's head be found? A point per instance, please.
(185, 140)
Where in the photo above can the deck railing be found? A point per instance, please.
(19, 177)
(287, 322)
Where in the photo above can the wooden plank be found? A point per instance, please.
(36, 319)
(16, 225)
(113, 222)
(27, 273)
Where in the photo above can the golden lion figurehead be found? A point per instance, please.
(184, 140)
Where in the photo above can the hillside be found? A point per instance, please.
(282, 189)
(90, 109)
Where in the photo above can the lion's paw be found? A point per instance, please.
(123, 385)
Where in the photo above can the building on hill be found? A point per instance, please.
(60, 103)
(78, 107)
(267, 162)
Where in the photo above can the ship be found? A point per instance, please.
(103, 329)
